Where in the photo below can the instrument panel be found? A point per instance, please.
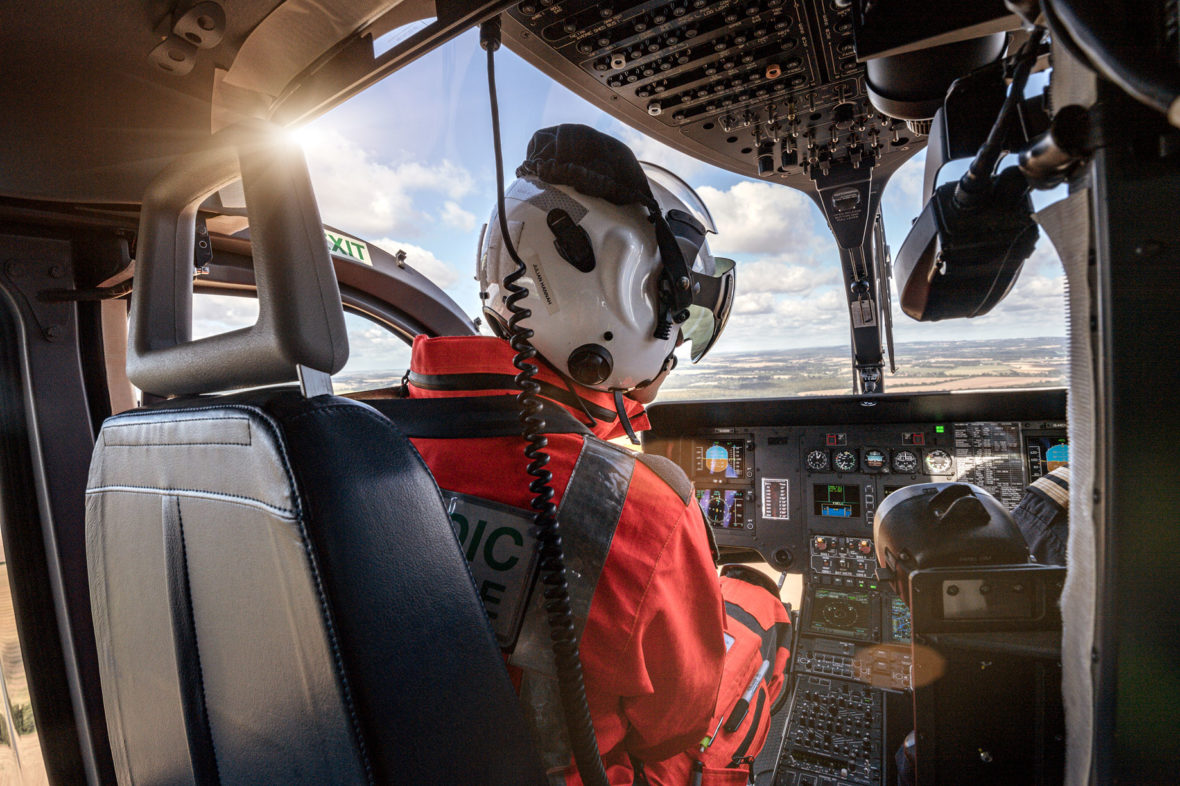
(796, 482)
(790, 491)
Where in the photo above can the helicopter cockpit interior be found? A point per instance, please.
(136, 169)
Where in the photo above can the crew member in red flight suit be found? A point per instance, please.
(671, 653)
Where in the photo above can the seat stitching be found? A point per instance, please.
(202, 493)
(174, 444)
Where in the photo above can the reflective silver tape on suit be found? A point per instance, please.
(588, 515)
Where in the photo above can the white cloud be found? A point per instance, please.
(364, 195)
(374, 348)
(1034, 296)
(764, 319)
(457, 217)
(904, 189)
(764, 218)
(216, 314)
(772, 276)
(441, 273)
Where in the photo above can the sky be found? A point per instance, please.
(408, 164)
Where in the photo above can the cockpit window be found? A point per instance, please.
(408, 164)
(377, 356)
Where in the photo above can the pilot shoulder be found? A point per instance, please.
(663, 468)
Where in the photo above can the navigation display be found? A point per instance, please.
(841, 613)
(1045, 453)
(720, 459)
(724, 508)
(900, 626)
(836, 500)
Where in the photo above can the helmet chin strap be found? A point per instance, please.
(621, 408)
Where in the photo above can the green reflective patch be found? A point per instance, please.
(497, 542)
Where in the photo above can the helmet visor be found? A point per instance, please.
(677, 191)
(710, 307)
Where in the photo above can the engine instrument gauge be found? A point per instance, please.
(845, 461)
(905, 461)
(938, 462)
(875, 460)
(818, 460)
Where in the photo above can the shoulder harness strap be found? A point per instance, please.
(470, 417)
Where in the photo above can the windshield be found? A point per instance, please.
(408, 165)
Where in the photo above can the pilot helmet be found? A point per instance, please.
(943, 525)
(601, 236)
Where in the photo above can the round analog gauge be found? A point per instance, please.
(875, 459)
(717, 511)
(818, 461)
(845, 461)
(905, 461)
(938, 462)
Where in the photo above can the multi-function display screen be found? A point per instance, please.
(1045, 454)
(724, 508)
(841, 613)
(720, 459)
(899, 621)
(836, 500)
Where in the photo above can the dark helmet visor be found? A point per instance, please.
(711, 303)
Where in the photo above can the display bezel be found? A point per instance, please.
(868, 599)
(856, 508)
(743, 476)
(744, 523)
(1028, 435)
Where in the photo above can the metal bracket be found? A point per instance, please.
(314, 383)
(28, 279)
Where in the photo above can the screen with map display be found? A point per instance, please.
(899, 620)
(836, 500)
(844, 613)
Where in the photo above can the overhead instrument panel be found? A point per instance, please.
(764, 88)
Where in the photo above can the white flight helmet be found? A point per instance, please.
(593, 274)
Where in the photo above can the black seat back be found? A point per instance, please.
(277, 592)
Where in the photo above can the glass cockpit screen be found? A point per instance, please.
(1045, 453)
(900, 627)
(836, 500)
(720, 460)
(841, 613)
(724, 508)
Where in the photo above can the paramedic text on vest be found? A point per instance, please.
(668, 648)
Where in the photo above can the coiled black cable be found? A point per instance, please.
(564, 638)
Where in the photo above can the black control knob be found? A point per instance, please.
(590, 364)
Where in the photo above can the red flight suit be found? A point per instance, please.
(654, 645)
